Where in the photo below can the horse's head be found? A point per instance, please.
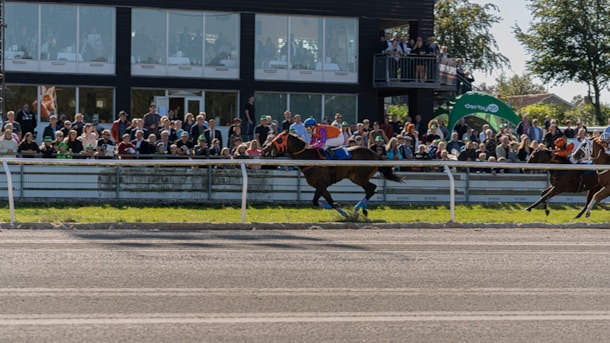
(279, 144)
(584, 150)
(540, 155)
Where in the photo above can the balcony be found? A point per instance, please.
(416, 72)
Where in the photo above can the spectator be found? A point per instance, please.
(185, 144)
(63, 151)
(299, 127)
(65, 130)
(410, 131)
(254, 152)
(212, 132)
(126, 149)
(49, 130)
(287, 121)
(240, 152)
(200, 125)
(166, 124)
(164, 144)
(379, 148)
(569, 131)
(105, 145)
(503, 148)
(152, 119)
(376, 132)
(346, 132)
(27, 147)
(405, 145)
(551, 136)
(142, 146)
(89, 135)
(10, 119)
(58, 138)
(524, 150)
(236, 126)
(138, 124)
(189, 121)
(261, 131)
(120, 126)
(434, 132)
(202, 150)
(215, 149)
(338, 120)
(249, 117)
(74, 144)
(462, 128)
(26, 119)
(393, 151)
(535, 133)
(47, 148)
(443, 128)
(9, 126)
(455, 145)
(233, 137)
(78, 124)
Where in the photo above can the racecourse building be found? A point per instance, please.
(314, 58)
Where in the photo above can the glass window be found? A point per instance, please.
(345, 104)
(271, 34)
(341, 44)
(307, 105)
(148, 36)
(273, 104)
(17, 95)
(58, 33)
(141, 100)
(304, 45)
(221, 106)
(96, 104)
(186, 38)
(21, 31)
(97, 34)
(221, 38)
(65, 97)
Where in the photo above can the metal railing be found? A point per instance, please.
(245, 189)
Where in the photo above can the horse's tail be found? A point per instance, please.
(389, 174)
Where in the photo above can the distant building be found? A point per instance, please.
(521, 101)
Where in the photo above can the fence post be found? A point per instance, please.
(9, 189)
(244, 191)
(451, 192)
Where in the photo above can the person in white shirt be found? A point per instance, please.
(8, 146)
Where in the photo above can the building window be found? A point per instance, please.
(141, 100)
(319, 106)
(221, 106)
(17, 95)
(96, 104)
(308, 49)
(148, 36)
(192, 44)
(46, 38)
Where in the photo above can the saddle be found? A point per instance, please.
(339, 153)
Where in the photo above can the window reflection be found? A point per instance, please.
(58, 33)
(221, 39)
(271, 31)
(186, 38)
(96, 104)
(340, 44)
(21, 31)
(148, 36)
(304, 48)
(97, 34)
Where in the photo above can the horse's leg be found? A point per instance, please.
(601, 196)
(590, 194)
(546, 194)
(596, 198)
(369, 191)
(331, 203)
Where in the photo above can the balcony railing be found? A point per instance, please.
(416, 72)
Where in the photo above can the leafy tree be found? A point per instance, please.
(569, 40)
(540, 111)
(517, 85)
(401, 110)
(464, 28)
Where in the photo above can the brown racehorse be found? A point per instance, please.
(603, 177)
(321, 178)
(563, 181)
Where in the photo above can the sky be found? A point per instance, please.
(515, 12)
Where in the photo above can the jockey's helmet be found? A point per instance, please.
(560, 142)
(310, 122)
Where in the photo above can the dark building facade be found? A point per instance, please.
(314, 58)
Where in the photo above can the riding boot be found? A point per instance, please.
(330, 153)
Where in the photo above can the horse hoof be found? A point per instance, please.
(587, 215)
(547, 212)
(528, 209)
(365, 212)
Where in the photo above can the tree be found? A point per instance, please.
(464, 28)
(517, 85)
(569, 40)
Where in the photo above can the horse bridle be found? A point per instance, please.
(281, 143)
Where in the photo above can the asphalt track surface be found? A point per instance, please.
(319, 283)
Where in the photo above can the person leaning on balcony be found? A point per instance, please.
(420, 68)
(27, 147)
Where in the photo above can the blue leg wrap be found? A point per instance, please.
(342, 212)
(326, 206)
(362, 204)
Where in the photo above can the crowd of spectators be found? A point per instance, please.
(156, 136)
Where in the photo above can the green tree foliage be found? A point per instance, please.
(540, 111)
(517, 85)
(464, 28)
(401, 110)
(587, 113)
(569, 40)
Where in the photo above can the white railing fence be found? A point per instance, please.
(104, 179)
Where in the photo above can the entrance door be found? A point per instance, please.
(184, 104)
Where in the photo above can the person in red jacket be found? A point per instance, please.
(120, 126)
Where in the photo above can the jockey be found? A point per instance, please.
(605, 137)
(562, 148)
(323, 136)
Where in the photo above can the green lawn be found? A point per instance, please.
(509, 213)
